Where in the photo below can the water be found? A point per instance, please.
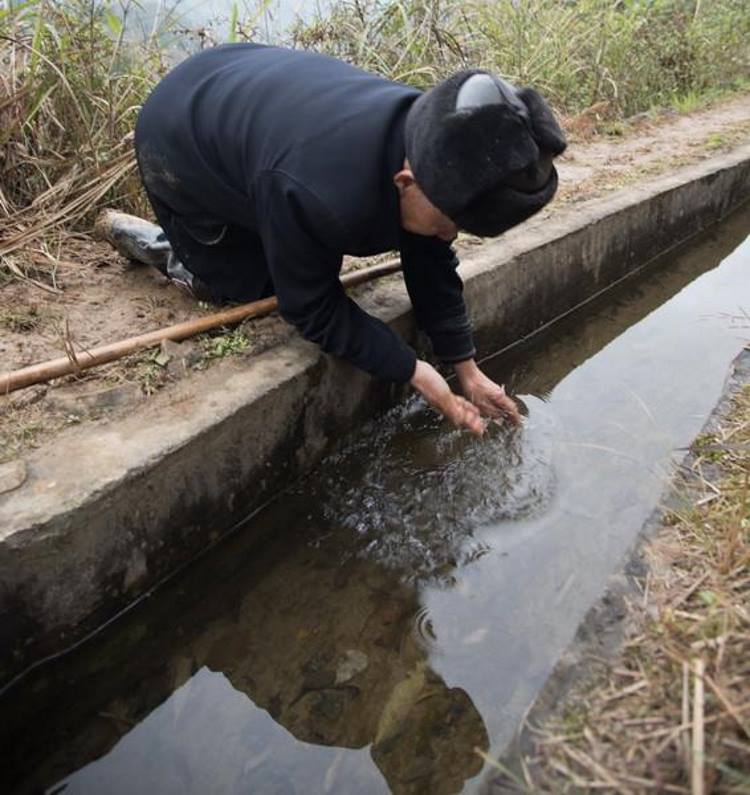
(406, 603)
(269, 20)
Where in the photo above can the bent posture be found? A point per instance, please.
(264, 166)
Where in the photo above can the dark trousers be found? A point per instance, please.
(227, 258)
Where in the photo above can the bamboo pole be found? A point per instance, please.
(77, 361)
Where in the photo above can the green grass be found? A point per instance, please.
(696, 99)
(225, 344)
(715, 141)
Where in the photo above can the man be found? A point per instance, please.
(264, 166)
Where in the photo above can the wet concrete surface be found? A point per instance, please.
(410, 598)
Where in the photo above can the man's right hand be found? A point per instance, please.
(435, 390)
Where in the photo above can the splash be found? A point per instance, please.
(411, 491)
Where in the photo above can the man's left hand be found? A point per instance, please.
(484, 393)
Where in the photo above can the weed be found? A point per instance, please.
(148, 372)
(702, 442)
(707, 448)
(20, 429)
(574, 719)
(225, 344)
(29, 431)
(690, 101)
(715, 141)
(614, 128)
(21, 320)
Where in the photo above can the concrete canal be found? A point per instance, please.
(408, 599)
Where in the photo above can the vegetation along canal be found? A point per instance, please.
(410, 598)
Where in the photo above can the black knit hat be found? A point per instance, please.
(482, 151)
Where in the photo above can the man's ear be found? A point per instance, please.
(403, 179)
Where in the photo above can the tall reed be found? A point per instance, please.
(71, 83)
(631, 54)
(73, 74)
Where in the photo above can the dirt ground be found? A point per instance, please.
(87, 295)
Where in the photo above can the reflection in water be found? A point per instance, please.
(408, 601)
(334, 655)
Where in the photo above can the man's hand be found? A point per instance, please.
(484, 393)
(435, 390)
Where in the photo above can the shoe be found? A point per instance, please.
(181, 277)
(134, 238)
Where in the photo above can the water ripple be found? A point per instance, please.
(412, 491)
(423, 629)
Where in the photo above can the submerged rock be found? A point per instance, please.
(353, 663)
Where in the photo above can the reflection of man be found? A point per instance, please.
(264, 166)
(296, 654)
(341, 665)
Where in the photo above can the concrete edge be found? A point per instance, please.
(106, 512)
(605, 627)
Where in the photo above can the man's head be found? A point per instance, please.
(479, 157)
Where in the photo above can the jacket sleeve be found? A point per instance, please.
(305, 275)
(436, 293)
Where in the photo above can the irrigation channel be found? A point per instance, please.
(409, 598)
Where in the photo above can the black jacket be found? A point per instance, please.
(301, 149)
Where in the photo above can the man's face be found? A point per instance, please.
(418, 213)
(432, 222)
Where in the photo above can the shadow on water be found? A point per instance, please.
(411, 597)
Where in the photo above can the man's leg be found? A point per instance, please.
(228, 259)
(146, 243)
(226, 263)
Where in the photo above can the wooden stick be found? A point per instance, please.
(685, 738)
(697, 780)
(85, 359)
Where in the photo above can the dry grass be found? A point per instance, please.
(609, 58)
(672, 712)
(73, 76)
(70, 89)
